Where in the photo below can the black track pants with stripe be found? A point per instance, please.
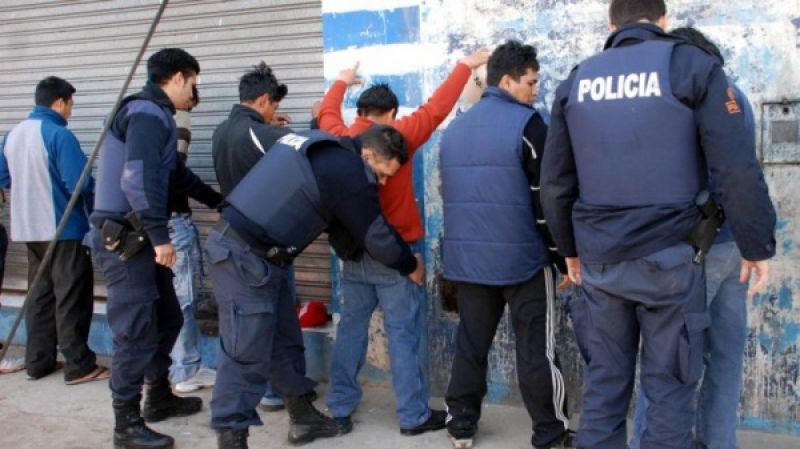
(480, 308)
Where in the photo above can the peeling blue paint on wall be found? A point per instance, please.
(360, 28)
(761, 44)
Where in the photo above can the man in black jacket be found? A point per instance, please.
(252, 127)
(305, 184)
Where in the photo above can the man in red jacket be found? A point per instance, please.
(366, 283)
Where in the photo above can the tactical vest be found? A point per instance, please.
(280, 193)
(111, 163)
(490, 234)
(634, 143)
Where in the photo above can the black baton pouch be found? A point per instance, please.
(135, 242)
(135, 239)
(114, 234)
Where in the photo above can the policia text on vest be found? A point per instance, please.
(632, 85)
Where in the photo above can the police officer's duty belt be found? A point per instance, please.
(274, 254)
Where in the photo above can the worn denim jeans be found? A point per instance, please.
(721, 385)
(188, 267)
(365, 285)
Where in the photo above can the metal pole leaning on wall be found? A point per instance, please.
(87, 171)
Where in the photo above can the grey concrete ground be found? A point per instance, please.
(48, 414)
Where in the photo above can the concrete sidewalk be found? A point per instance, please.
(48, 414)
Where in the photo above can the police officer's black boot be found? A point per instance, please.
(160, 403)
(232, 438)
(308, 423)
(130, 431)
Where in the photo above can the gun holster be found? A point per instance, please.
(703, 235)
(127, 238)
(280, 256)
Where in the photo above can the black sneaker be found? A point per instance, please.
(461, 433)
(345, 425)
(565, 441)
(232, 438)
(434, 422)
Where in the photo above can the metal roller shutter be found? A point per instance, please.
(92, 45)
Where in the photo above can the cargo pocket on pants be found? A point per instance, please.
(690, 357)
(253, 325)
(216, 253)
(133, 320)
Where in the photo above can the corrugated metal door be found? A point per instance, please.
(92, 44)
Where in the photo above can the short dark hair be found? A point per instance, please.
(51, 89)
(512, 58)
(386, 141)
(377, 99)
(697, 38)
(259, 81)
(165, 63)
(625, 12)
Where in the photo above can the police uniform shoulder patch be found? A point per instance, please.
(732, 105)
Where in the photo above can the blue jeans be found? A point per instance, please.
(721, 386)
(185, 354)
(365, 285)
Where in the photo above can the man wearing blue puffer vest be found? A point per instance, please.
(496, 253)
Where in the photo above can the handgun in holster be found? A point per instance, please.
(282, 257)
(127, 237)
(703, 235)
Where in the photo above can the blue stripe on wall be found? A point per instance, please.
(407, 87)
(366, 28)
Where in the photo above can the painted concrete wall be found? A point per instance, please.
(412, 45)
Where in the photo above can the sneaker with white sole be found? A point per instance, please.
(204, 378)
(271, 404)
(461, 443)
(565, 441)
(11, 364)
(460, 432)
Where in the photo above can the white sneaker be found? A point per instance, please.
(204, 378)
(460, 443)
(12, 365)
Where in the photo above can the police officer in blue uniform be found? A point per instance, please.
(305, 184)
(633, 130)
(720, 386)
(138, 168)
